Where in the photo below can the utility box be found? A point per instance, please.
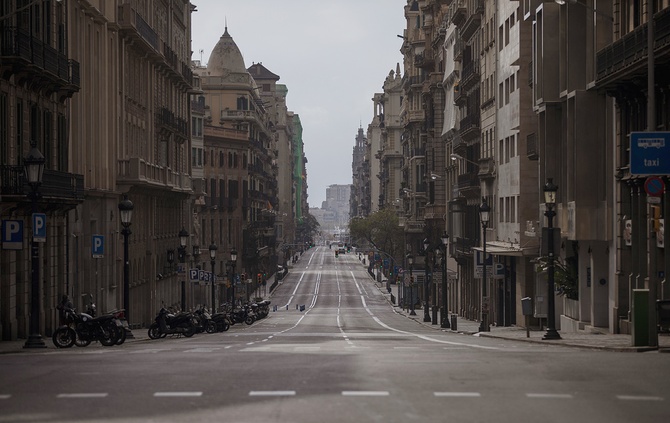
(527, 306)
(640, 312)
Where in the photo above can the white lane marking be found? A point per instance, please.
(177, 394)
(638, 398)
(427, 338)
(149, 351)
(271, 393)
(3, 396)
(202, 350)
(83, 395)
(365, 393)
(405, 348)
(551, 396)
(458, 394)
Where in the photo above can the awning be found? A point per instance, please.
(498, 248)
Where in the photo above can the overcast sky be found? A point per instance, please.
(332, 55)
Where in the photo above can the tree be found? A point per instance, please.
(381, 229)
(565, 276)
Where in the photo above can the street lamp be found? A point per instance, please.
(410, 261)
(484, 210)
(183, 239)
(426, 287)
(445, 308)
(550, 201)
(34, 169)
(233, 264)
(212, 258)
(126, 213)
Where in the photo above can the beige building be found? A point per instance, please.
(126, 135)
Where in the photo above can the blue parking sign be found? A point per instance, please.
(98, 246)
(12, 234)
(39, 227)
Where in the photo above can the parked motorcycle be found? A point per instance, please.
(167, 323)
(221, 322)
(122, 328)
(82, 329)
(263, 309)
(203, 320)
(243, 314)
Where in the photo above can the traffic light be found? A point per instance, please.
(260, 278)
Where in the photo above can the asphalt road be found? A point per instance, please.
(348, 357)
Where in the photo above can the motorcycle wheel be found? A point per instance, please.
(64, 337)
(154, 331)
(81, 342)
(109, 335)
(249, 320)
(189, 330)
(211, 327)
(122, 334)
(225, 326)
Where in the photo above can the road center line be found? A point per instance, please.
(638, 398)
(457, 394)
(5, 396)
(177, 394)
(271, 393)
(365, 393)
(84, 395)
(550, 396)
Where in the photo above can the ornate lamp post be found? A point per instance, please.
(445, 307)
(233, 263)
(550, 201)
(126, 211)
(183, 239)
(426, 282)
(212, 259)
(34, 169)
(484, 210)
(410, 261)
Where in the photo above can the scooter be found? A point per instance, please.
(167, 323)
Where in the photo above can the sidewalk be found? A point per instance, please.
(582, 339)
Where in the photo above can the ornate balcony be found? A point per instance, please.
(29, 58)
(58, 188)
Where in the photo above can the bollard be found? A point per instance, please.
(454, 322)
(286, 306)
(302, 307)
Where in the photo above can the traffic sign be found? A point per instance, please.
(39, 227)
(12, 234)
(650, 153)
(654, 186)
(98, 246)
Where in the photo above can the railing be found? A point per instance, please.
(55, 183)
(632, 47)
(138, 170)
(18, 44)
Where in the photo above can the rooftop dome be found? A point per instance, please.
(226, 57)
